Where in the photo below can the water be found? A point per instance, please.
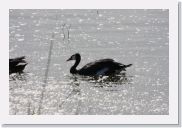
(139, 37)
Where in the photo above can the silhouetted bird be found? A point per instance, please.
(102, 67)
(17, 65)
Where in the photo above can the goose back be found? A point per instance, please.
(100, 67)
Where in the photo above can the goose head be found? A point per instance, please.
(75, 57)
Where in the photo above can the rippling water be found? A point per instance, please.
(132, 36)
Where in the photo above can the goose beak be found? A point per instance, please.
(69, 59)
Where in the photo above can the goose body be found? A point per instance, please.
(17, 65)
(102, 67)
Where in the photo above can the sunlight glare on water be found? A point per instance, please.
(138, 37)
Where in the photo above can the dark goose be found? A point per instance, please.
(102, 67)
(17, 65)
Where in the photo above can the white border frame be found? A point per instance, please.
(172, 118)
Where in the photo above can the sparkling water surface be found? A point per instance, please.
(138, 37)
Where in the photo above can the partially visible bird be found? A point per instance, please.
(102, 67)
(17, 65)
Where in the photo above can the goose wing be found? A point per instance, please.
(97, 63)
(16, 61)
(17, 65)
(100, 67)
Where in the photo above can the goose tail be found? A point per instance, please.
(128, 65)
(125, 66)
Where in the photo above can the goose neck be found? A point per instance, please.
(73, 69)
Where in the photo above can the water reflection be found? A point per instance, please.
(103, 81)
(17, 76)
(74, 94)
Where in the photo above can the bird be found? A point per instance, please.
(17, 65)
(102, 67)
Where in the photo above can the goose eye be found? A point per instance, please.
(73, 57)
